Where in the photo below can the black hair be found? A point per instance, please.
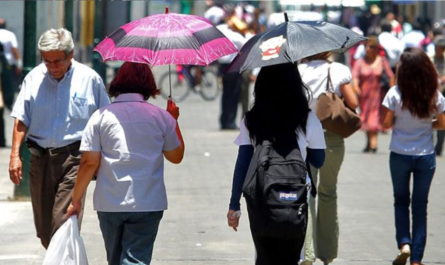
(385, 25)
(281, 105)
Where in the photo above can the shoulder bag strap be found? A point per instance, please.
(329, 86)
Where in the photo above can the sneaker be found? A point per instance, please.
(403, 256)
(326, 262)
(307, 262)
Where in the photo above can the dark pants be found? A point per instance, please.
(244, 95)
(2, 129)
(52, 180)
(230, 97)
(9, 85)
(129, 236)
(273, 251)
(439, 144)
(422, 168)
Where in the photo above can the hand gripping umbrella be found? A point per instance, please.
(166, 39)
(292, 41)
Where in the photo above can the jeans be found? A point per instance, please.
(129, 236)
(422, 168)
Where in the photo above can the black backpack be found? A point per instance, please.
(275, 190)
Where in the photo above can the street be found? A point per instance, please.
(194, 229)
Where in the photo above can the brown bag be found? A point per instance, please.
(334, 115)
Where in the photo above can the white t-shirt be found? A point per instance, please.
(410, 135)
(315, 75)
(9, 41)
(314, 137)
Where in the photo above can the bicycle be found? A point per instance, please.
(183, 81)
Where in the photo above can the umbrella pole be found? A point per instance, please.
(170, 81)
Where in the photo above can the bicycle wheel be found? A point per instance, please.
(210, 87)
(180, 88)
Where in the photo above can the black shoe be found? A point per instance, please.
(367, 149)
(370, 150)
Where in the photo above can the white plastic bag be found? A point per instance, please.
(66, 246)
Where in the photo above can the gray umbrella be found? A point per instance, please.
(292, 41)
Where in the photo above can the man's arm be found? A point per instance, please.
(15, 163)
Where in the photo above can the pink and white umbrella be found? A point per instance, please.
(166, 39)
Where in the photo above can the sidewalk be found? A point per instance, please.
(194, 228)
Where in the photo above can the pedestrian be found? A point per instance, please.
(409, 108)
(2, 104)
(438, 58)
(125, 143)
(391, 44)
(231, 82)
(280, 114)
(54, 104)
(366, 76)
(12, 64)
(322, 234)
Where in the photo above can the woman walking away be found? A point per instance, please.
(322, 233)
(410, 107)
(126, 143)
(280, 115)
(366, 75)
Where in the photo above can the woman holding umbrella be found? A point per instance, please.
(317, 72)
(280, 115)
(126, 142)
(409, 108)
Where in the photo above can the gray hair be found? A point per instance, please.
(56, 40)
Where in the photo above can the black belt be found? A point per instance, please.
(37, 150)
(63, 149)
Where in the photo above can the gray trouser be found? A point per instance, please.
(52, 181)
(322, 230)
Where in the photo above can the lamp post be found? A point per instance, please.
(99, 19)
(22, 191)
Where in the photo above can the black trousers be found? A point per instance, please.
(230, 97)
(2, 129)
(9, 82)
(273, 251)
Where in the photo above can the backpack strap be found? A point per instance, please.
(313, 188)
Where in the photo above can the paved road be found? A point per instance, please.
(194, 230)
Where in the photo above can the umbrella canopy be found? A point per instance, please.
(166, 39)
(291, 41)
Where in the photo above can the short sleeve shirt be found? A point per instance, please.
(314, 74)
(131, 135)
(56, 112)
(313, 138)
(9, 42)
(410, 135)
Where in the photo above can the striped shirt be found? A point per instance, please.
(56, 112)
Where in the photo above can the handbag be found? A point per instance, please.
(384, 78)
(334, 115)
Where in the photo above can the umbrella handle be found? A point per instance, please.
(170, 81)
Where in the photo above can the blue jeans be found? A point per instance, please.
(129, 236)
(422, 168)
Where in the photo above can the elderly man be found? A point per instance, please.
(53, 107)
